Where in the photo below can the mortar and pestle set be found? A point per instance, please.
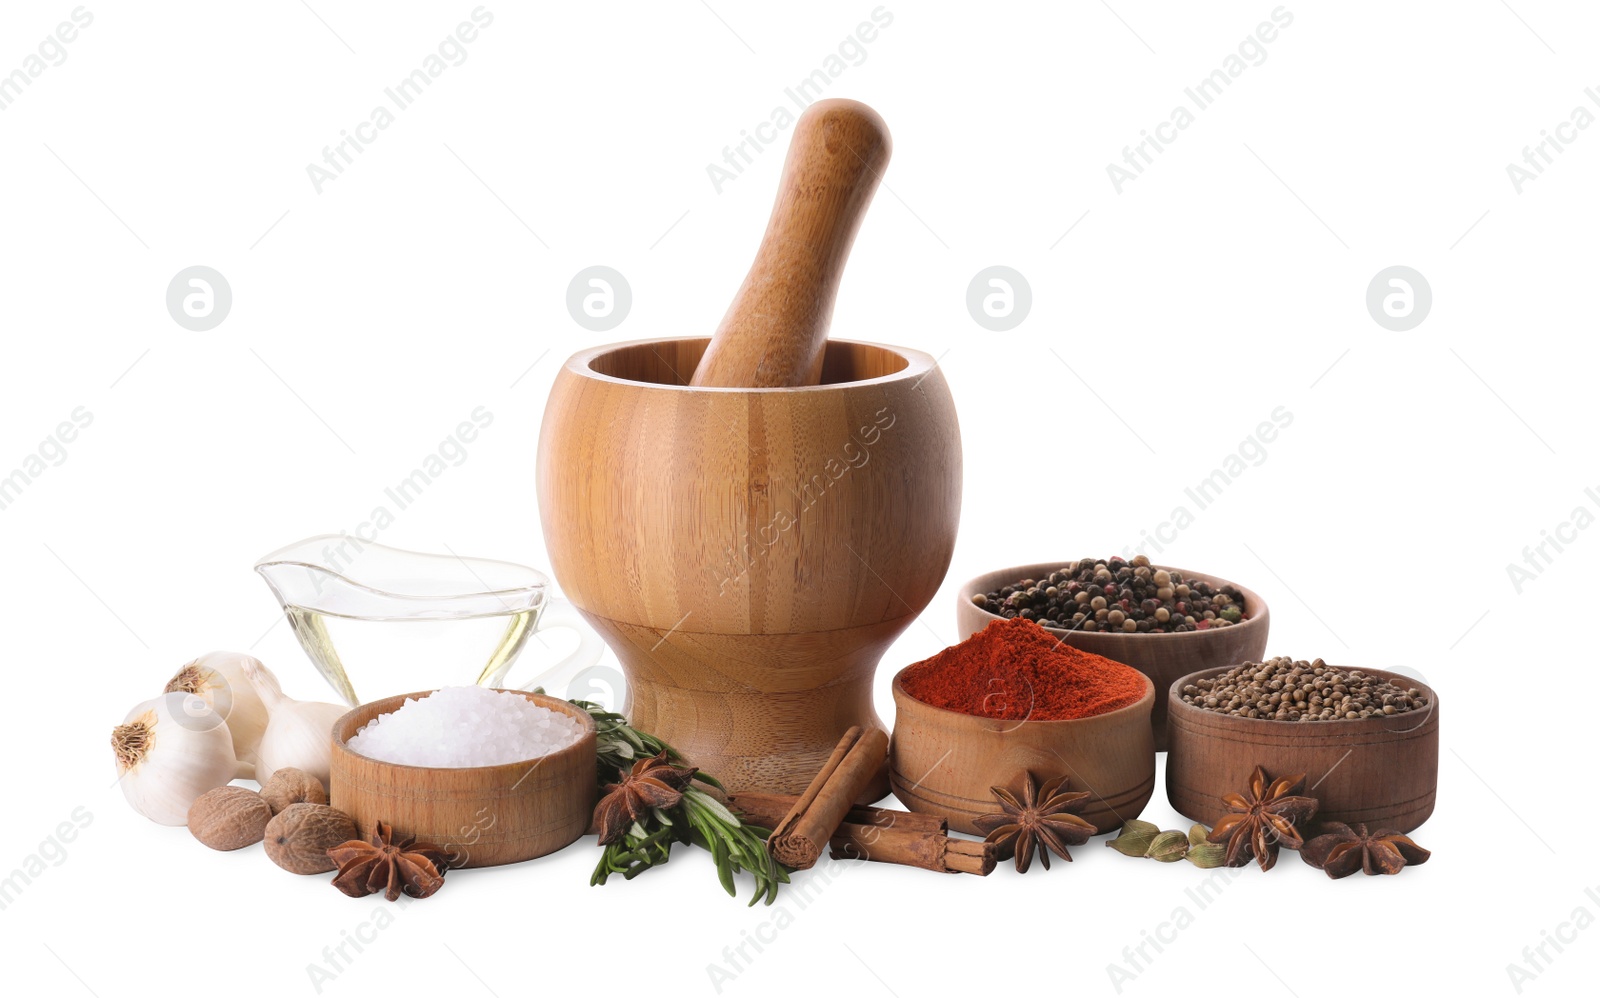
(750, 520)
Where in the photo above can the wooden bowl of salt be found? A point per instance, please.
(480, 815)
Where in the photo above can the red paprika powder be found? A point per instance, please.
(1015, 669)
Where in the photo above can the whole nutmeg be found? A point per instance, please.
(292, 786)
(229, 818)
(299, 837)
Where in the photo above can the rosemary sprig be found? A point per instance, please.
(698, 819)
(619, 743)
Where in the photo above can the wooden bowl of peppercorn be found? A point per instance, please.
(1381, 770)
(1163, 656)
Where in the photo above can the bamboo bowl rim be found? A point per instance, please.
(970, 588)
(346, 727)
(918, 365)
(993, 725)
(1378, 722)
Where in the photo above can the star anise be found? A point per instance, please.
(382, 864)
(1257, 825)
(1036, 822)
(652, 782)
(1343, 849)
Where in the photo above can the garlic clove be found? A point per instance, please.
(299, 732)
(219, 679)
(170, 751)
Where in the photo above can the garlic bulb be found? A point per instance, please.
(170, 750)
(299, 732)
(219, 679)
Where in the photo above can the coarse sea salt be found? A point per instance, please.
(465, 726)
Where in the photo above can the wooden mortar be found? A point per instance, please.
(749, 554)
(482, 815)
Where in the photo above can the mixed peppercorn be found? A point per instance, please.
(1113, 594)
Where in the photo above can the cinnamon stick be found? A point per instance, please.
(880, 835)
(797, 840)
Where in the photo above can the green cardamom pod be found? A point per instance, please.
(1197, 835)
(1135, 838)
(1208, 855)
(1168, 847)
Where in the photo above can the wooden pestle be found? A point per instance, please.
(774, 333)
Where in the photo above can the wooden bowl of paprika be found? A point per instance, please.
(1161, 656)
(1012, 700)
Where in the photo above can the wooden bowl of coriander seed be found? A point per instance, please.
(1367, 740)
(1159, 643)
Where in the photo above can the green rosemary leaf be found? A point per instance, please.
(719, 856)
(711, 804)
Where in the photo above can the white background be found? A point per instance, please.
(430, 279)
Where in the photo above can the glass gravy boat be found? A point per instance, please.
(398, 621)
